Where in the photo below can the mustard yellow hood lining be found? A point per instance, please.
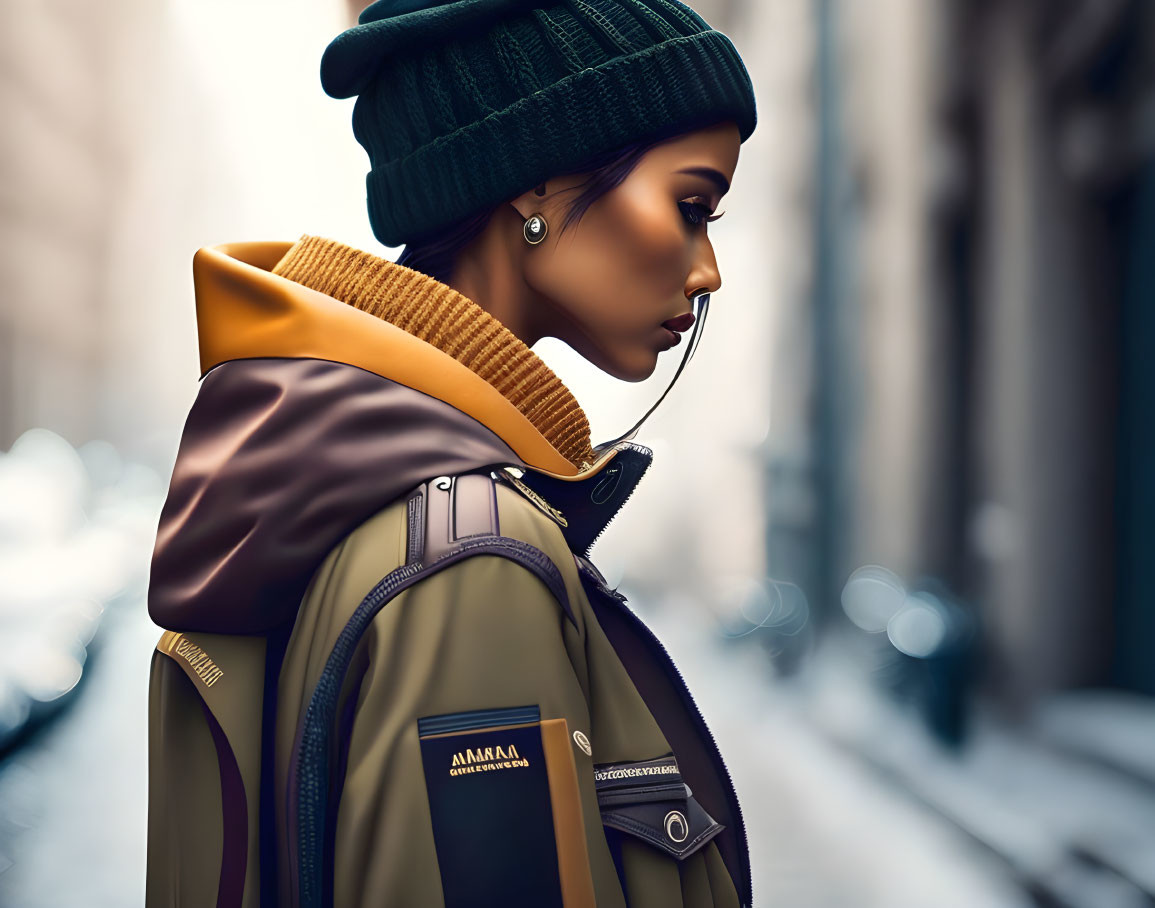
(441, 316)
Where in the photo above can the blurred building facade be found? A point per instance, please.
(961, 435)
(978, 398)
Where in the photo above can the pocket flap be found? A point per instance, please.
(648, 799)
(679, 826)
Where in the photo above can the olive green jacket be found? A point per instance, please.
(438, 702)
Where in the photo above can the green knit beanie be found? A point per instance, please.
(464, 104)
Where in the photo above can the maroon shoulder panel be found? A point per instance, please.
(281, 459)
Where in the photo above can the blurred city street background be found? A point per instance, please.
(898, 533)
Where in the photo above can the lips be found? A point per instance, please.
(681, 323)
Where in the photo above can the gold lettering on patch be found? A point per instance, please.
(486, 759)
(204, 667)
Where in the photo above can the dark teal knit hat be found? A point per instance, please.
(465, 104)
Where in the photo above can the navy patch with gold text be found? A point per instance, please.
(489, 799)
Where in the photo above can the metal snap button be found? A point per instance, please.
(677, 829)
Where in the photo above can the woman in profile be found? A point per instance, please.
(391, 675)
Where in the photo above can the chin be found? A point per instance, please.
(633, 365)
(634, 370)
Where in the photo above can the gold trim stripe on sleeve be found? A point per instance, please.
(573, 859)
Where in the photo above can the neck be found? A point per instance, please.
(489, 272)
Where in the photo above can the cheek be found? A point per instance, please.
(645, 241)
(632, 247)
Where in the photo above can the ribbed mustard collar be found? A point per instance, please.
(439, 315)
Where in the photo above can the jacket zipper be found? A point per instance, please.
(684, 692)
(311, 750)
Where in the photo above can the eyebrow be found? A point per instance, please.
(710, 174)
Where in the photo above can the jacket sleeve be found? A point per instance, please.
(462, 771)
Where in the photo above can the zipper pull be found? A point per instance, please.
(544, 506)
(584, 564)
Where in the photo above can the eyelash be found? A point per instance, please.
(696, 219)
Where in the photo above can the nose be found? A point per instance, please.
(704, 276)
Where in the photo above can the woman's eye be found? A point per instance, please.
(696, 213)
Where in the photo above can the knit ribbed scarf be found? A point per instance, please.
(439, 315)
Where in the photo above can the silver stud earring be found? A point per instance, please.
(535, 229)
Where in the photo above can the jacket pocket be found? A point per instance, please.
(648, 799)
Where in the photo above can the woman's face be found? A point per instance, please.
(636, 258)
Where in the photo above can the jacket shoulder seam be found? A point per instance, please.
(529, 556)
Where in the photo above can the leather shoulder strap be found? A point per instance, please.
(447, 511)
